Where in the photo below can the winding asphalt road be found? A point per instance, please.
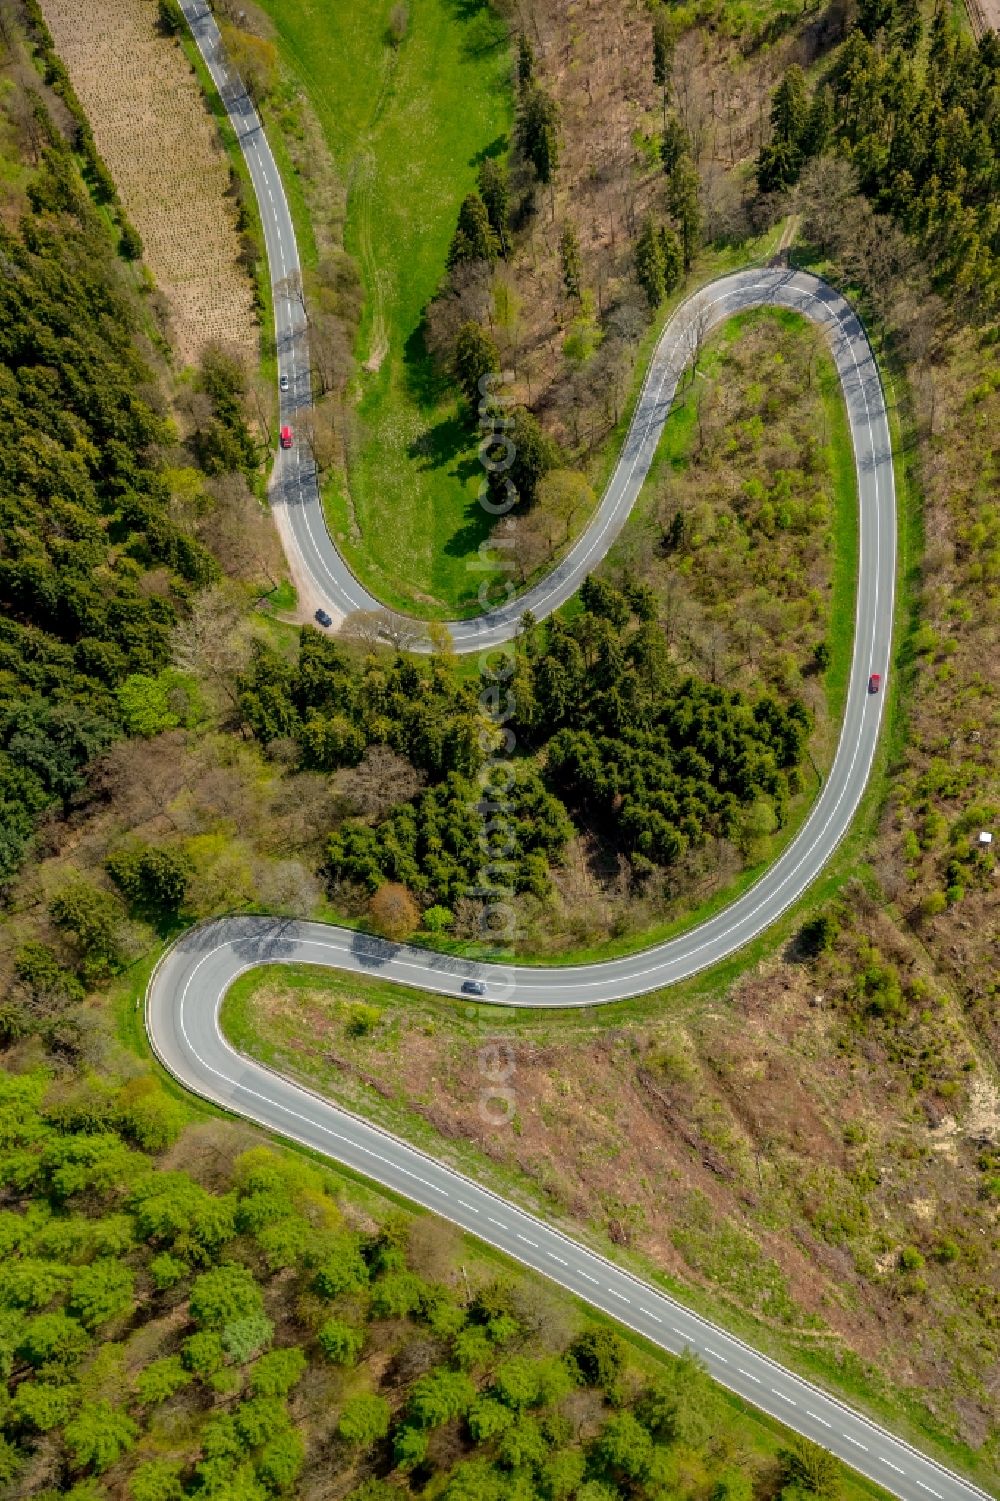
(186, 991)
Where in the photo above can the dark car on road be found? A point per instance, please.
(874, 682)
(323, 618)
(473, 987)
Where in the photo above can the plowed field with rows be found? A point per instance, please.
(159, 142)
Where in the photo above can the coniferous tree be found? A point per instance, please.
(474, 238)
(673, 143)
(820, 121)
(572, 268)
(494, 189)
(790, 105)
(672, 253)
(540, 132)
(525, 61)
(476, 355)
(685, 207)
(875, 16)
(649, 264)
(780, 162)
(663, 48)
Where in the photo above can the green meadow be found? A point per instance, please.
(408, 126)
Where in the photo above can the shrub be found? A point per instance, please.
(170, 17)
(162, 1379)
(202, 1353)
(599, 1355)
(156, 1479)
(362, 1020)
(409, 1447)
(810, 1468)
(93, 918)
(153, 881)
(245, 1338)
(99, 1435)
(41, 1406)
(439, 1396)
(281, 1460)
(130, 242)
(516, 1383)
(166, 1270)
(818, 935)
(364, 1420)
(52, 1337)
(225, 1294)
(278, 1371)
(100, 1291)
(341, 1343)
(343, 1270)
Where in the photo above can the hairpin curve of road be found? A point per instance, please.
(187, 987)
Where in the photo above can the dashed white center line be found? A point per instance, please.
(254, 146)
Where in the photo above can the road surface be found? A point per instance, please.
(186, 991)
(320, 573)
(183, 1021)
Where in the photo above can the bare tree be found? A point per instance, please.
(374, 628)
(318, 429)
(467, 297)
(379, 781)
(629, 321)
(697, 327)
(287, 887)
(238, 531)
(213, 643)
(141, 778)
(291, 289)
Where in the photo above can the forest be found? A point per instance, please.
(184, 1314)
(159, 1337)
(913, 110)
(162, 1339)
(95, 571)
(655, 760)
(906, 110)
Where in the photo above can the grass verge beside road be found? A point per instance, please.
(407, 127)
(261, 1017)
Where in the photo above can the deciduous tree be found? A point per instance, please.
(393, 912)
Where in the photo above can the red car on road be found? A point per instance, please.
(286, 437)
(874, 682)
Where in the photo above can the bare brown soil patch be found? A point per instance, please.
(161, 146)
(780, 1152)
